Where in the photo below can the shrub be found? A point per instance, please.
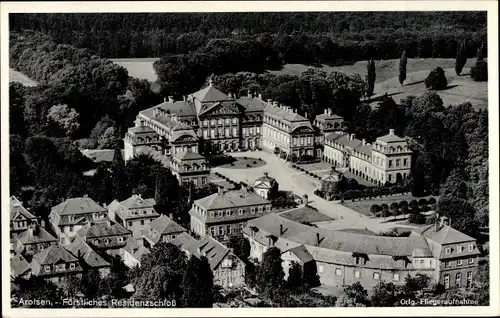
(384, 207)
(422, 202)
(375, 208)
(245, 158)
(432, 200)
(413, 204)
(254, 162)
(479, 72)
(425, 208)
(436, 79)
(232, 164)
(87, 143)
(394, 206)
(403, 204)
(248, 165)
(413, 218)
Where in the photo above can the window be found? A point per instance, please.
(46, 268)
(356, 274)
(212, 230)
(142, 222)
(446, 280)
(120, 239)
(458, 279)
(471, 261)
(205, 123)
(268, 208)
(219, 121)
(221, 230)
(320, 269)
(395, 276)
(469, 279)
(398, 162)
(234, 121)
(447, 264)
(228, 212)
(460, 249)
(376, 276)
(203, 180)
(390, 177)
(471, 247)
(240, 211)
(205, 133)
(227, 121)
(220, 213)
(338, 272)
(226, 132)
(260, 209)
(421, 262)
(390, 163)
(405, 162)
(212, 214)
(448, 250)
(129, 223)
(72, 266)
(459, 262)
(106, 241)
(252, 210)
(235, 132)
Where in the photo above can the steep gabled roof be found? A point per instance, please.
(52, 255)
(163, 225)
(33, 236)
(445, 235)
(253, 104)
(188, 155)
(391, 137)
(141, 130)
(230, 199)
(17, 208)
(18, 266)
(79, 248)
(302, 253)
(137, 202)
(103, 229)
(210, 94)
(77, 206)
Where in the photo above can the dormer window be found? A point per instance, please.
(106, 241)
(120, 239)
(252, 209)
(72, 266)
(220, 213)
(448, 250)
(471, 247)
(212, 214)
(459, 262)
(228, 212)
(46, 268)
(260, 209)
(240, 211)
(268, 208)
(96, 242)
(460, 249)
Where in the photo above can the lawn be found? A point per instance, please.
(364, 206)
(15, 76)
(140, 67)
(244, 163)
(305, 214)
(99, 155)
(316, 167)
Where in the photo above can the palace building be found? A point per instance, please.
(387, 160)
(341, 258)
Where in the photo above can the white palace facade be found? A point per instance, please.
(210, 121)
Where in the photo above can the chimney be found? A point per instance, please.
(171, 216)
(265, 174)
(305, 115)
(281, 229)
(219, 190)
(171, 99)
(30, 230)
(184, 98)
(105, 205)
(164, 99)
(260, 96)
(42, 223)
(249, 93)
(364, 141)
(391, 132)
(85, 195)
(329, 111)
(230, 95)
(210, 82)
(269, 101)
(326, 112)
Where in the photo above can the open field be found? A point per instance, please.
(140, 67)
(305, 214)
(363, 206)
(15, 76)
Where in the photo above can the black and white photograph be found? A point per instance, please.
(216, 157)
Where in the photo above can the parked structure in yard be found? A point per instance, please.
(20, 217)
(68, 217)
(343, 258)
(133, 213)
(226, 212)
(387, 160)
(228, 269)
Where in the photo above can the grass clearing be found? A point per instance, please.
(306, 214)
(244, 163)
(139, 68)
(16, 76)
(364, 206)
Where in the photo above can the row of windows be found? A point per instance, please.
(276, 123)
(218, 133)
(459, 262)
(458, 280)
(357, 273)
(58, 267)
(143, 222)
(195, 181)
(106, 241)
(220, 121)
(251, 131)
(260, 209)
(390, 149)
(398, 163)
(225, 229)
(460, 249)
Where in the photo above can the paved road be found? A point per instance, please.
(298, 182)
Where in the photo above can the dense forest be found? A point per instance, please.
(300, 37)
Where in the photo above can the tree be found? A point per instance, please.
(370, 77)
(65, 118)
(402, 67)
(197, 284)
(118, 161)
(436, 79)
(270, 275)
(295, 282)
(240, 245)
(481, 51)
(460, 212)
(394, 209)
(37, 288)
(481, 285)
(108, 138)
(355, 296)
(385, 295)
(461, 58)
(416, 285)
(479, 72)
(375, 208)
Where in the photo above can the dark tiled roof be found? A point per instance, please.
(335, 240)
(325, 117)
(264, 182)
(302, 253)
(188, 155)
(210, 94)
(163, 225)
(18, 266)
(390, 138)
(231, 199)
(252, 104)
(137, 202)
(77, 206)
(52, 255)
(35, 235)
(141, 130)
(126, 209)
(180, 133)
(16, 208)
(333, 136)
(79, 248)
(445, 235)
(102, 229)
